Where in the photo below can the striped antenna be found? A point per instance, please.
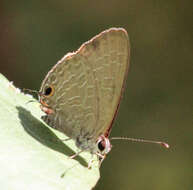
(164, 144)
(29, 90)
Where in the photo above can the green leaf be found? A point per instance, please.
(32, 155)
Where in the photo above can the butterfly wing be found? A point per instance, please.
(88, 85)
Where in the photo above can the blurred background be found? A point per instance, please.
(157, 102)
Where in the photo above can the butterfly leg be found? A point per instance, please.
(76, 154)
(67, 139)
(90, 162)
(101, 157)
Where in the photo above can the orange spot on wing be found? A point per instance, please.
(46, 110)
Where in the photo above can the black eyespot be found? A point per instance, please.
(101, 146)
(49, 91)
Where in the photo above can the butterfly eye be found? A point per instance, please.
(104, 145)
(49, 91)
(101, 146)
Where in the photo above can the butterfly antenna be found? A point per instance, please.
(164, 144)
(32, 91)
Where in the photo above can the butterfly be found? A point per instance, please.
(81, 94)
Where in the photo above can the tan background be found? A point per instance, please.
(157, 103)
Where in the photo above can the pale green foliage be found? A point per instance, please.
(32, 155)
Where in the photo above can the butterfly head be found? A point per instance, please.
(104, 145)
